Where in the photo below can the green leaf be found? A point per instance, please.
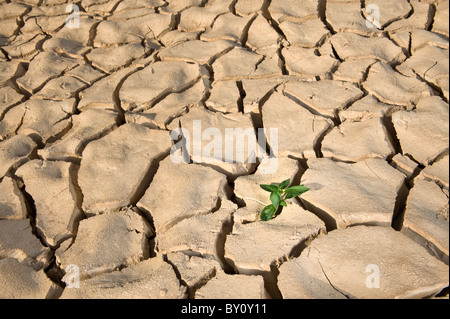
(268, 212)
(296, 191)
(299, 188)
(285, 184)
(275, 198)
(269, 188)
(283, 203)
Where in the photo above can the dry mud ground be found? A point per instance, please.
(92, 205)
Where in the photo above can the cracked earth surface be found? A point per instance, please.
(87, 181)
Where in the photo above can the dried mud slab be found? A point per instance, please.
(261, 26)
(57, 203)
(20, 281)
(294, 10)
(256, 247)
(60, 89)
(44, 120)
(170, 108)
(195, 51)
(393, 88)
(420, 19)
(12, 10)
(106, 242)
(353, 46)
(370, 188)
(219, 149)
(12, 201)
(11, 122)
(15, 152)
(109, 60)
(8, 98)
(423, 38)
(423, 132)
(348, 17)
(224, 97)
(431, 63)
(270, 66)
(196, 19)
(8, 28)
(405, 165)
(57, 9)
(103, 93)
(9, 71)
(194, 271)
(174, 37)
(440, 24)
(308, 34)
(149, 279)
(44, 67)
(438, 172)
(391, 11)
(245, 7)
(25, 46)
(197, 189)
(227, 27)
(112, 33)
(298, 129)
(17, 241)
(175, 6)
(356, 141)
(353, 70)
(86, 73)
(138, 4)
(339, 266)
(101, 7)
(73, 44)
(86, 127)
(225, 286)
(45, 24)
(310, 94)
(426, 215)
(444, 84)
(121, 162)
(366, 108)
(145, 87)
(306, 63)
(202, 235)
(258, 90)
(236, 65)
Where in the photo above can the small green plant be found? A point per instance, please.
(278, 196)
